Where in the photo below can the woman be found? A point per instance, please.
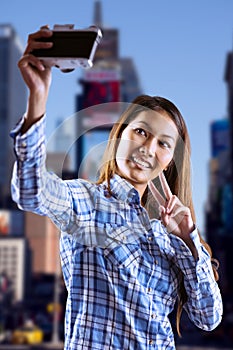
(128, 253)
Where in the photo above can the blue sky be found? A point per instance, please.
(179, 49)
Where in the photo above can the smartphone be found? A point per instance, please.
(71, 48)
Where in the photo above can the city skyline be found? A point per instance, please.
(179, 51)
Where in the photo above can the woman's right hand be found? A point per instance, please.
(35, 74)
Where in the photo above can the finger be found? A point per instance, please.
(30, 60)
(45, 26)
(171, 203)
(42, 33)
(34, 41)
(164, 216)
(165, 186)
(181, 210)
(34, 45)
(182, 218)
(156, 194)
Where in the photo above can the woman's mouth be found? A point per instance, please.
(141, 163)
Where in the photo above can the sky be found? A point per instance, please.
(179, 50)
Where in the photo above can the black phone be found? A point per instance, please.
(71, 48)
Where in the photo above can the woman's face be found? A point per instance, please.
(145, 148)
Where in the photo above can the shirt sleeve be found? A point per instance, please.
(204, 302)
(33, 188)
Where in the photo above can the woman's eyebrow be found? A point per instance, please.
(168, 136)
(148, 127)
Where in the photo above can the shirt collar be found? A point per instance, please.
(123, 190)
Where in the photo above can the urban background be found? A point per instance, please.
(32, 292)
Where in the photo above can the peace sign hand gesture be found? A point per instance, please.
(174, 215)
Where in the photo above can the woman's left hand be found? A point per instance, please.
(174, 215)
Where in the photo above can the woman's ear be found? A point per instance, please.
(169, 165)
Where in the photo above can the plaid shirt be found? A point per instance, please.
(121, 269)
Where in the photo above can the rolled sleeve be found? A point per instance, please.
(33, 188)
(26, 146)
(200, 269)
(204, 302)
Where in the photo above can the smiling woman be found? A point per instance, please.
(146, 148)
(156, 123)
(124, 267)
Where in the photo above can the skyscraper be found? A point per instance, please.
(229, 81)
(112, 79)
(12, 103)
(219, 210)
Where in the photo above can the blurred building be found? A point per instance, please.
(42, 235)
(219, 218)
(229, 82)
(12, 104)
(130, 87)
(43, 238)
(58, 162)
(14, 253)
(13, 262)
(11, 223)
(63, 135)
(219, 208)
(111, 81)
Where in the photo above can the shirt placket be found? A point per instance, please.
(152, 324)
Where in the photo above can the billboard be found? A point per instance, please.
(100, 92)
(102, 74)
(101, 85)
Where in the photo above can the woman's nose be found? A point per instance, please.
(148, 148)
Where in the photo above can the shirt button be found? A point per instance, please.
(149, 238)
(153, 316)
(24, 144)
(156, 261)
(151, 342)
(149, 290)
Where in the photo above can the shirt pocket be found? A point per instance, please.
(121, 251)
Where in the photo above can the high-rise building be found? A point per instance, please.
(12, 103)
(219, 208)
(130, 87)
(40, 231)
(111, 80)
(229, 82)
(13, 261)
(43, 240)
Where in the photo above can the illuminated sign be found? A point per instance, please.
(4, 222)
(100, 75)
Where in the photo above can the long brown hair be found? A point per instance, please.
(178, 173)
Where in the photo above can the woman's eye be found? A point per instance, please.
(165, 144)
(141, 132)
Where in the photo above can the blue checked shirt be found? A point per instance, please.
(121, 269)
